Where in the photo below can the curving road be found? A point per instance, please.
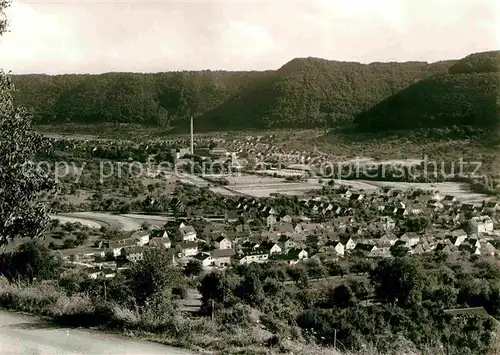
(25, 335)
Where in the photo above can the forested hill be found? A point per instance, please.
(303, 93)
(469, 94)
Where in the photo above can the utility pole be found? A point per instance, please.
(105, 295)
(192, 137)
(335, 339)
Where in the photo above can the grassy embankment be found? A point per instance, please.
(198, 334)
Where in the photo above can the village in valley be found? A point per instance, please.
(320, 178)
(277, 211)
(374, 225)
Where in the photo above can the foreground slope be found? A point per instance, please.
(305, 92)
(24, 335)
(468, 95)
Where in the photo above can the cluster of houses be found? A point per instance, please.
(345, 223)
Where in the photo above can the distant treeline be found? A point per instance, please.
(307, 92)
(468, 95)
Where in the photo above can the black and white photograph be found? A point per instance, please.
(262, 177)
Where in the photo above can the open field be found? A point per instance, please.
(82, 137)
(263, 186)
(128, 222)
(459, 190)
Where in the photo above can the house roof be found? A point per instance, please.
(187, 245)
(459, 233)
(158, 242)
(157, 233)
(283, 228)
(222, 253)
(345, 240)
(202, 256)
(257, 251)
(140, 234)
(283, 239)
(482, 219)
(409, 235)
(220, 239)
(365, 247)
(122, 243)
(134, 250)
(187, 230)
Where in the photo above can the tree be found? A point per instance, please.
(399, 280)
(145, 226)
(152, 276)
(416, 224)
(3, 21)
(32, 260)
(193, 268)
(21, 180)
(251, 290)
(360, 287)
(299, 275)
(218, 287)
(342, 296)
(399, 250)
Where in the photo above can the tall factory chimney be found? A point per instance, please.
(192, 137)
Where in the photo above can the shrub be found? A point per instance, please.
(239, 315)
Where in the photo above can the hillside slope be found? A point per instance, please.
(303, 93)
(127, 97)
(468, 95)
(308, 91)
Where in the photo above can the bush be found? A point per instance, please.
(239, 315)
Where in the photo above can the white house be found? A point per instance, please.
(449, 199)
(458, 237)
(187, 233)
(271, 220)
(349, 243)
(410, 239)
(252, 256)
(134, 254)
(483, 224)
(204, 258)
(160, 242)
(294, 256)
(222, 257)
(158, 233)
(387, 240)
(115, 247)
(223, 243)
(338, 247)
(487, 249)
(188, 248)
(273, 248)
(388, 223)
(286, 243)
(141, 237)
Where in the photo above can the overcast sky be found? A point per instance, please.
(65, 36)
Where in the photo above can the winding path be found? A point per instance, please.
(25, 335)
